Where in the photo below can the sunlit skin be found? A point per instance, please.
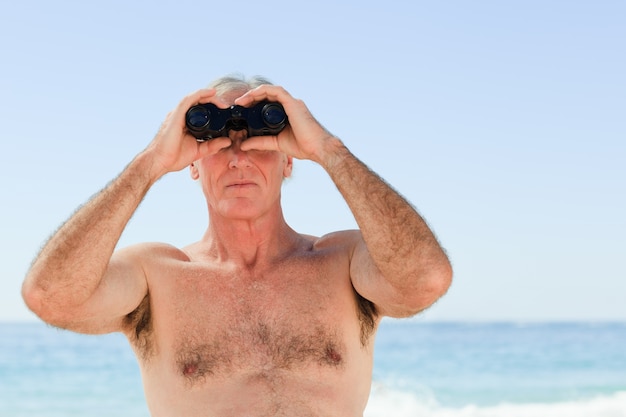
(234, 180)
(254, 319)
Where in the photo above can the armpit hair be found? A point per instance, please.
(139, 325)
(368, 314)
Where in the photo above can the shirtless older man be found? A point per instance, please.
(254, 319)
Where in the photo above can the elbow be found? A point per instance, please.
(32, 296)
(442, 279)
(437, 279)
(38, 300)
(429, 287)
(437, 282)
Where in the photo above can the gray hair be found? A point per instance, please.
(234, 82)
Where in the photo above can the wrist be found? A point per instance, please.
(146, 167)
(334, 152)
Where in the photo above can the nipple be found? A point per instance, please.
(332, 356)
(190, 369)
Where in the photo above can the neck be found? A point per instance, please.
(249, 242)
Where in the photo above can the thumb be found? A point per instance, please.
(212, 146)
(261, 143)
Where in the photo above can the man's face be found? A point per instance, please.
(241, 185)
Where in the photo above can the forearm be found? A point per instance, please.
(398, 240)
(72, 263)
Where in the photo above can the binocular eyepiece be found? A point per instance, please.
(207, 121)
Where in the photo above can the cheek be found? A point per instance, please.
(207, 178)
(276, 162)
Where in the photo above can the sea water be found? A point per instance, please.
(499, 370)
(420, 369)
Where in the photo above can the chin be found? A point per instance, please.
(242, 210)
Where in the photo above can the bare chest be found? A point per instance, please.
(216, 323)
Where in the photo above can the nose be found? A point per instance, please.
(238, 158)
(237, 135)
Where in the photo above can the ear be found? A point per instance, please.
(193, 171)
(288, 167)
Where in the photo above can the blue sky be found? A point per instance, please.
(502, 122)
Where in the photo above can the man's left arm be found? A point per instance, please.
(396, 262)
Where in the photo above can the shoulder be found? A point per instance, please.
(150, 252)
(337, 247)
(345, 239)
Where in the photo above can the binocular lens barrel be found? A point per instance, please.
(273, 115)
(207, 121)
(198, 117)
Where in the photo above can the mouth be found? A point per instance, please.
(241, 184)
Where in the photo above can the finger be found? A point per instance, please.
(264, 92)
(201, 96)
(260, 143)
(210, 96)
(213, 146)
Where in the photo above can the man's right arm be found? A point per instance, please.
(76, 282)
(71, 267)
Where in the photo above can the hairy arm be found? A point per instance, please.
(76, 281)
(396, 260)
(71, 266)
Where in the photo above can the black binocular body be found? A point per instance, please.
(207, 121)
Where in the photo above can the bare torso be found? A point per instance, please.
(290, 338)
(254, 320)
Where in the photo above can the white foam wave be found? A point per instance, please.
(390, 403)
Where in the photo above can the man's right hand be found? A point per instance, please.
(173, 148)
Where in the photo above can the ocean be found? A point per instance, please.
(420, 370)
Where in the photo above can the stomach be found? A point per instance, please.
(312, 392)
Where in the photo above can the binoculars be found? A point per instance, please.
(207, 121)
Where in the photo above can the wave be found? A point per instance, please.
(392, 403)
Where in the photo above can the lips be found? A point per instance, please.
(240, 184)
